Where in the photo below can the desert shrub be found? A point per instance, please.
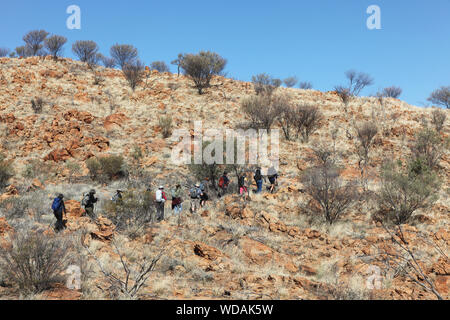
(86, 51)
(265, 84)
(55, 44)
(261, 111)
(330, 195)
(202, 67)
(38, 168)
(34, 40)
(428, 147)
(105, 168)
(6, 171)
(37, 104)
(124, 54)
(438, 119)
(132, 212)
(34, 260)
(305, 85)
(365, 134)
(392, 92)
(306, 120)
(441, 97)
(134, 73)
(212, 171)
(344, 95)
(290, 82)
(166, 125)
(4, 52)
(403, 191)
(160, 66)
(286, 116)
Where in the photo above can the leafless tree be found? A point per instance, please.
(344, 94)
(261, 111)
(290, 82)
(134, 73)
(55, 44)
(265, 84)
(392, 92)
(358, 81)
(160, 66)
(306, 119)
(4, 52)
(86, 51)
(108, 62)
(438, 119)
(23, 51)
(177, 62)
(124, 54)
(428, 147)
(441, 97)
(305, 85)
(34, 40)
(365, 133)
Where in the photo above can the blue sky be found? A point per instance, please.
(316, 41)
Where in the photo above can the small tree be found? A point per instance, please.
(34, 40)
(261, 111)
(202, 67)
(365, 133)
(392, 92)
(4, 52)
(305, 85)
(290, 82)
(441, 97)
(331, 196)
(428, 147)
(55, 44)
(405, 191)
(108, 62)
(212, 171)
(124, 54)
(265, 84)
(357, 82)
(344, 94)
(177, 62)
(105, 168)
(438, 119)
(160, 66)
(306, 120)
(86, 51)
(23, 51)
(286, 115)
(134, 73)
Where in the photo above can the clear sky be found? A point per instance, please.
(316, 41)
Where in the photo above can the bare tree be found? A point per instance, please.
(306, 119)
(305, 85)
(124, 54)
(441, 97)
(34, 40)
(401, 257)
(134, 73)
(331, 196)
(86, 51)
(438, 119)
(290, 82)
(357, 82)
(160, 66)
(265, 84)
(23, 51)
(4, 52)
(108, 62)
(261, 111)
(365, 133)
(344, 94)
(428, 147)
(286, 115)
(177, 62)
(55, 45)
(202, 67)
(392, 92)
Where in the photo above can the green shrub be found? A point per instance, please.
(105, 168)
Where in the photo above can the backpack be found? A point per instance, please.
(258, 175)
(221, 182)
(242, 181)
(193, 193)
(159, 196)
(85, 201)
(56, 204)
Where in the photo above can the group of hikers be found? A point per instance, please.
(198, 196)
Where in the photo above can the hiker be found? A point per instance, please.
(177, 201)
(160, 203)
(88, 203)
(259, 180)
(273, 178)
(59, 209)
(243, 189)
(195, 194)
(117, 197)
(204, 195)
(224, 182)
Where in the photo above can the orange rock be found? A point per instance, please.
(207, 252)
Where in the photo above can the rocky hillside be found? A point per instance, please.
(267, 248)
